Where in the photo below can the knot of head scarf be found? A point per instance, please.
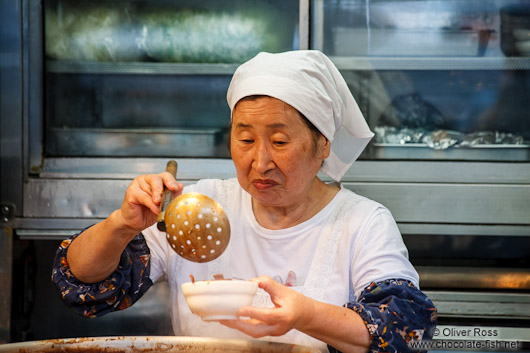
(308, 81)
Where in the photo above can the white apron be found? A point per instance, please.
(316, 283)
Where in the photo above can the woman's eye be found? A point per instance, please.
(247, 140)
(279, 143)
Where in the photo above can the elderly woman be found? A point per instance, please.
(331, 265)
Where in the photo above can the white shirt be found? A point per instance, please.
(350, 243)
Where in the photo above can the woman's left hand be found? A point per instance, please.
(291, 310)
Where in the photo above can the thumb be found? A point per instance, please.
(269, 285)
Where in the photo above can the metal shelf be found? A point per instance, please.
(139, 68)
(137, 142)
(473, 304)
(420, 151)
(431, 63)
(343, 63)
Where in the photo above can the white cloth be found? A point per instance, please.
(308, 81)
(335, 255)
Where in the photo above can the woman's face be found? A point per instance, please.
(274, 151)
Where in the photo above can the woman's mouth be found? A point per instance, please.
(263, 184)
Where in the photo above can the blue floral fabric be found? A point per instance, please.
(119, 291)
(396, 313)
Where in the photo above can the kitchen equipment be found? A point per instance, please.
(167, 196)
(220, 299)
(197, 227)
(152, 344)
(89, 128)
(393, 42)
(515, 21)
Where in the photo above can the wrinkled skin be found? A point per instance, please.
(290, 310)
(277, 159)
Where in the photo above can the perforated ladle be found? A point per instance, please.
(197, 227)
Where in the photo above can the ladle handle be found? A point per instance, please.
(167, 196)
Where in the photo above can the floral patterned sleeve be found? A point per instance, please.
(119, 291)
(395, 313)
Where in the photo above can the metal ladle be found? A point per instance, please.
(196, 226)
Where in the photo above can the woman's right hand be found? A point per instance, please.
(141, 204)
(96, 252)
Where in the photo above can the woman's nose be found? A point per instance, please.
(263, 161)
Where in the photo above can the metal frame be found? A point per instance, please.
(6, 260)
(11, 142)
(11, 107)
(469, 194)
(397, 184)
(33, 85)
(481, 305)
(303, 25)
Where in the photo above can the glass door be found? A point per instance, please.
(436, 79)
(149, 78)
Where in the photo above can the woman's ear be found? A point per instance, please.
(324, 147)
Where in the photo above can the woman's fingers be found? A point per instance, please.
(288, 308)
(280, 294)
(143, 197)
(153, 186)
(260, 314)
(252, 328)
(157, 182)
(139, 194)
(270, 286)
(171, 183)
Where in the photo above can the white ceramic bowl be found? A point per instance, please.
(218, 300)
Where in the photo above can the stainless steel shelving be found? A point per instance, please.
(206, 142)
(140, 68)
(420, 151)
(343, 63)
(431, 63)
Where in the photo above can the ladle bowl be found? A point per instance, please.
(197, 227)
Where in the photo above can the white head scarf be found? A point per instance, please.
(308, 81)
